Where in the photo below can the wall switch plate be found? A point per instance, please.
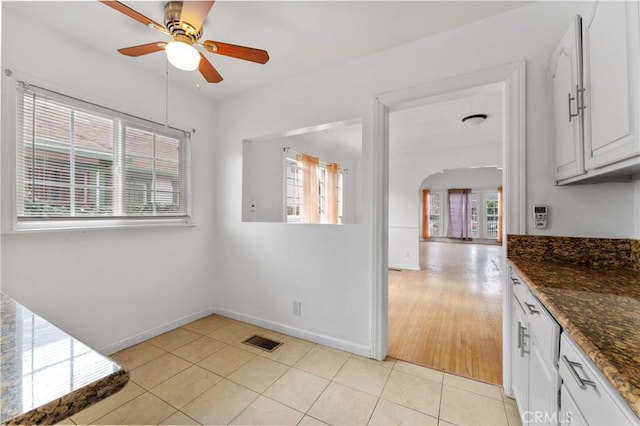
(297, 307)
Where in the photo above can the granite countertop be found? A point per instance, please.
(46, 374)
(600, 309)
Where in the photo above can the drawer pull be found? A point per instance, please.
(515, 281)
(583, 383)
(532, 308)
(521, 336)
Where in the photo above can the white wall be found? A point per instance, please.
(109, 288)
(332, 266)
(481, 178)
(263, 173)
(406, 173)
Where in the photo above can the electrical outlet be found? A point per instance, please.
(297, 307)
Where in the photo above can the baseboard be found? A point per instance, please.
(153, 332)
(341, 344)
(403, 266)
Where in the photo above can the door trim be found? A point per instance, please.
(512, 78)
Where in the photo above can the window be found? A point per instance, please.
(294, 190)
(340, 197)
(491, 213)
(76, 160)
(436, 224)
(475, 226)
(322, 193)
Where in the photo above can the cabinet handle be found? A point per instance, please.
(522, 336)
(571, 115)
(519, 335)
(580, 98)
(581, 382)
(515, 281)
(532, 308)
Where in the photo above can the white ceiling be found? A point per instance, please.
(301, 36)
(438, 125)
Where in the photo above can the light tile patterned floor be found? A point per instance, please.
(202, 374)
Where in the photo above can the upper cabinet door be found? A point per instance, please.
(611, 78)
(565, 72)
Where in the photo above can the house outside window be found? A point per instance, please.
(475, 226)
(483, 214)
(491, 214)
(436, 223)
(293, 191)
(76, 160)
(294, 199)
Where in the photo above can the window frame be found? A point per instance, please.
(122, 120)
(297, 183)
(478, 217)
(485, 216)
(322, 192)
(441, 216)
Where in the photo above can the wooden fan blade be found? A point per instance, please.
(208, 71)
(123, 8)
(235, 51)
(143, 49)
(195, 12)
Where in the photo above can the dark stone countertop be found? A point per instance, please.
(600, 309)
(46, 374)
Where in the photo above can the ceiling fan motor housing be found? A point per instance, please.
(180, 30)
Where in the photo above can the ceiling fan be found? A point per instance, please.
(183, 22)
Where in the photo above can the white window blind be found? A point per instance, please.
(77, 160)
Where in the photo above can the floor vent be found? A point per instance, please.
(262, 343)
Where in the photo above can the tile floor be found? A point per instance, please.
(202, 374)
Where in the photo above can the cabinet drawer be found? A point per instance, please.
(544, 327)
(599, 403)
(519, 288)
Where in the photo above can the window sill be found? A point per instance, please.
(96, 225)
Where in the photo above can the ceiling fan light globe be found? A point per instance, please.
(182, 55)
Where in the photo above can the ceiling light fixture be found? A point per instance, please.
(182, 55)
(474, 119)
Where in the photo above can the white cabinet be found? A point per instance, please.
(534, 357)
(520, 357)
(595, 89)
(587, 396)
(544, 384)
(570, 414)
(566, 76)
(611, 78)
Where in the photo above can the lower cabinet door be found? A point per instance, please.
(520, 359)
(570, 415)
(543, 389)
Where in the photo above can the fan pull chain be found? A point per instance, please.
(166, 92)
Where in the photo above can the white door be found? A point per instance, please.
(543, 388)
(566, 76)
(611, 79)
(520, 358)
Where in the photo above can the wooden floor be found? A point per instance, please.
(449, 315)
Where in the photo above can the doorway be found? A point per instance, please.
(433, 320)
(511, 80)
